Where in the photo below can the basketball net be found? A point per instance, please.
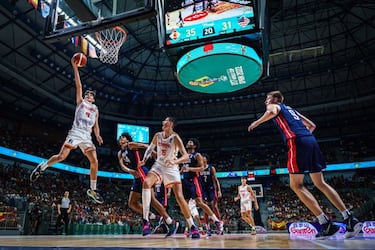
(111, 40)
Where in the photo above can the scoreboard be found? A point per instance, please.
(217, 46)
(188, 21)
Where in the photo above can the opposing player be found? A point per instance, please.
(168, 145)
(246, 195)
(195, 214)
(128, 158)
(190, 182)
(162, 194)
(304, 155)
(85, 121)
(211, 189)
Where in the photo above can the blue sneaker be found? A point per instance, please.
(353, 227)
(329, 229)
(172, 229)
(194, 232)
(146, 229)
(158, 225)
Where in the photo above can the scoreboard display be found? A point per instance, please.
(188, 21)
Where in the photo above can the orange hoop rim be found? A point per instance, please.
(114, 42)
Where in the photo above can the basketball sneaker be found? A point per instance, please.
(94, 195)
(253, 231)
(219, 227)
(353, 227)
(328, 229)
(194, 232)
(201, 231)
(158, 225)
(172, 228)
(146, 229)
(37, 172)
(186, 233)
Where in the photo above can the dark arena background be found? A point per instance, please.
(210, 64)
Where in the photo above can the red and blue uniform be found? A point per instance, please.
(206, 180)
(304, 154)
(131, 159)
(190, 183)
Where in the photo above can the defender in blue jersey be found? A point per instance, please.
(211, 189)
(128, 158)
(190, 182)
(304, 156)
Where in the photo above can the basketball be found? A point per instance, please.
(80, 59)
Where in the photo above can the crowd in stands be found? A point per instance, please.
(279, 203)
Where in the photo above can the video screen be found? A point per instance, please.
(138, 133)
(192, 20)
(250, 176)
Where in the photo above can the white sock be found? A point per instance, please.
(146, 201)
(345, 214)
(169, 220)
(93, 185)
(190, 221)
(322, 218)
(44, 166)
(213, 217)
(152, 216)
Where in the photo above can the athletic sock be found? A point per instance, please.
(146, 201)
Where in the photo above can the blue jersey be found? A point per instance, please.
(191, 164)
(303, 151)
(130, 158)
(206, 177)
(290, 124)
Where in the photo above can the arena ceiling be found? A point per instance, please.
(321, 57)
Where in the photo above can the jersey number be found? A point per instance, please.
(294, 114)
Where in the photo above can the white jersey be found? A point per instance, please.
(244, 193)
(166, 148)
(85, 116)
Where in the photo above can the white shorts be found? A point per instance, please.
(169, 175)
(79, 138)
(246, 206)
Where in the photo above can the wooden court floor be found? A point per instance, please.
(130, 242)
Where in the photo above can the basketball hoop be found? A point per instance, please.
(111, 40)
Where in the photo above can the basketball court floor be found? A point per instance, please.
(229, 241)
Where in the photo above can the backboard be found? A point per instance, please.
(77, 17)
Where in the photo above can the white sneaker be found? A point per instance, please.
(37, 172)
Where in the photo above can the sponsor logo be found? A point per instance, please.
(303, 230)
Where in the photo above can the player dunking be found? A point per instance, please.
(168, 144)
(85, 121)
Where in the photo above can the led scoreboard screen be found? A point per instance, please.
(189, 20)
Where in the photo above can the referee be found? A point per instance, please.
(63, 210)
